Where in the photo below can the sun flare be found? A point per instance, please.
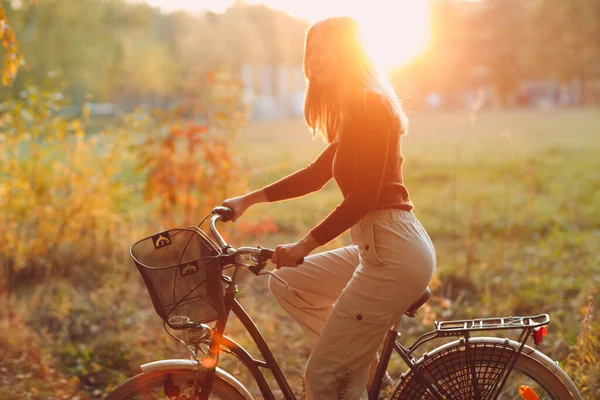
(396, 33)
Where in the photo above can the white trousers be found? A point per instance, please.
(348, 298)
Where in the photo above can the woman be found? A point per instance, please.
(348, 298)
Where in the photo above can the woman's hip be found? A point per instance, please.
(394, 238)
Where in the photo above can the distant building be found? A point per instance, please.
(273, 91)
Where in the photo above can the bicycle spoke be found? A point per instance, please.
(518, 395)
(513, 387)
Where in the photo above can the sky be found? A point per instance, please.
(394, 30)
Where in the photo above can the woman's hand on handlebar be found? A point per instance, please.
(292, 254)
(238, 206)
(241, 203)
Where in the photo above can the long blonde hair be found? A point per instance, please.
(324, 107)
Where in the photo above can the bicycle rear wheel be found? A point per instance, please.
(178, 383)
(462, 373)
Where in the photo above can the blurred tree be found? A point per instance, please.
(565, 39)
(147, 71)
(79, 40)
(503, 42)
(13, 58)
(497, 42)
(132, 53)
(285, 47)
(447, 44)
(244, 34)
(477, 43)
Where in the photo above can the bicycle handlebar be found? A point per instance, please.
(224, 214)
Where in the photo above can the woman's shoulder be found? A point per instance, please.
(374, 98)
(368, 99)
(370, 105)
(385, 107)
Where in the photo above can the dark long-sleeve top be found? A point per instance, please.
(366, 162)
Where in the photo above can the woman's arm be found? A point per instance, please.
(304, 181)
(258, 196)
(307, 180)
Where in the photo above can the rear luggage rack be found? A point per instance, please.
(483, 324)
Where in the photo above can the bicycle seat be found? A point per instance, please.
(412, 311)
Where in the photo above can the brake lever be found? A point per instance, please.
(276, 277)
(257, 268)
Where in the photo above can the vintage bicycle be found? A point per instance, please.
(192, 280)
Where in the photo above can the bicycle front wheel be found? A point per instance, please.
(476, 371)
(172, 384)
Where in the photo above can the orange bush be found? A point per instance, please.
(186, 156)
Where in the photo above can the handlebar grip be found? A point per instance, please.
(268, 253)
(225, 212)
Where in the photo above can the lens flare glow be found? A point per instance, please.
(394, 31)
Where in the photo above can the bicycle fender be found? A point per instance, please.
(162, 365)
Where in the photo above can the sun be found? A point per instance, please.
(395, 31)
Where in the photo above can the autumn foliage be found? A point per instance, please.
(72, 201)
